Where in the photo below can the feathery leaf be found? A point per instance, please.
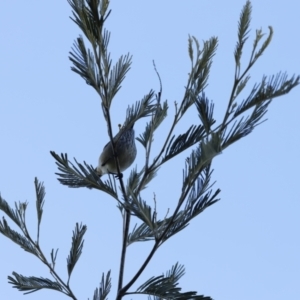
(141, 233)
(32, 284)
(84, 64)
(159, 116)
(12, 214)
(102, 292)
(80, 176)
(268, 89)
(183, 141)
(205, 110)
(17, 238)
(166, 286)
(243, 31)
(141, 109)
(76, 248)
(40, 200)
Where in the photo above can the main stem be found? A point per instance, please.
(127, 212)
(123, 253)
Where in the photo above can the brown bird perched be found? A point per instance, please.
(125, 149)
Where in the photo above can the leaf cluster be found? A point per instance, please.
(165, 286)
(202, 141)
(205, 140)
(23, 238)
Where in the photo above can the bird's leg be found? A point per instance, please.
(119, 176)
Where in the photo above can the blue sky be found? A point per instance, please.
(244, 247)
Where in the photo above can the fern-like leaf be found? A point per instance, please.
(32, 284)
(76, 247)
(80, 176)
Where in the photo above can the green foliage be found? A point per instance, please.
(165, 286)
(204, 141)
(243, 31)
(32, 284)
(102, 292)
(76, 248)
(81, 175)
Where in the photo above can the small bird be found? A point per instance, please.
(125, 149)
